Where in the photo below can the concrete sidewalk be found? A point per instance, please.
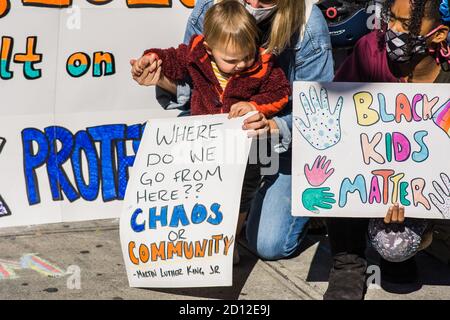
(34, 260)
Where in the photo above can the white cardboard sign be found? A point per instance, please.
(359, 147)
(69, 108)
(182, 202)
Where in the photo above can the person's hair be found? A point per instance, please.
(419, 9)
(229, 23)
(287, 21)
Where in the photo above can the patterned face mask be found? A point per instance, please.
(397, 45)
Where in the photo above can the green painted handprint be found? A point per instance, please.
(314, 198)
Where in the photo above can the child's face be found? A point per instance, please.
(401, 18)
(230, 60)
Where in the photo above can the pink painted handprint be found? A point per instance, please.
(318, 174)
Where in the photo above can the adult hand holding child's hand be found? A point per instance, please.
(259, 125)
(146, 70)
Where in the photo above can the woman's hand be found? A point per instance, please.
(395, 214)
(259, 124)
(146, 70)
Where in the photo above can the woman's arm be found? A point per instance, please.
(195, 22)
(167, 85)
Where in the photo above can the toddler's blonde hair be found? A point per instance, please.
(229, 23)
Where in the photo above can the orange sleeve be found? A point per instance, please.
(274, 93)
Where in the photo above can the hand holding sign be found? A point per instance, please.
(318, 174)
(388, 147)
(240, 109)
(323, 129)
(178, 225)
(444, 193)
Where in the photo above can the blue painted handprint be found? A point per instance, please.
(322, 130)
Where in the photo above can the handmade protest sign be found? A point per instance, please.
(71, 114)
(182, 202)
(359, 147)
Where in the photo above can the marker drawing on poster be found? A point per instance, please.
(71, 113)
(378, 145)
(182, 202)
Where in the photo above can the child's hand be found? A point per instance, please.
(395, 214)
(138, 66)
(241, 108)
(135, 70)
(146, 70)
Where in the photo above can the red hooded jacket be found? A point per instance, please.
(264, 84)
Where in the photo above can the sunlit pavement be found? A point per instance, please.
(83, 260)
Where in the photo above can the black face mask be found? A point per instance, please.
(401, 46)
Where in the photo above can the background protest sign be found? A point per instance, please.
(71, 114)
(178, 224)
(359, 147)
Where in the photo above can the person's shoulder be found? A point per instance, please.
(371, 39)
(196, 18)
(370, 45)
(200, 8)
(203, 3)
(316, 20)
(316, 28)
(443, 77)
(367, 62)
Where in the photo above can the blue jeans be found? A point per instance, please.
(272, 232)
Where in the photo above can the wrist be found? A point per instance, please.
(167, 84)
(253, 105)
(273, 127)
(162, 81)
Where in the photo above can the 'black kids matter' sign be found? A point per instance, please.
(359, 147)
